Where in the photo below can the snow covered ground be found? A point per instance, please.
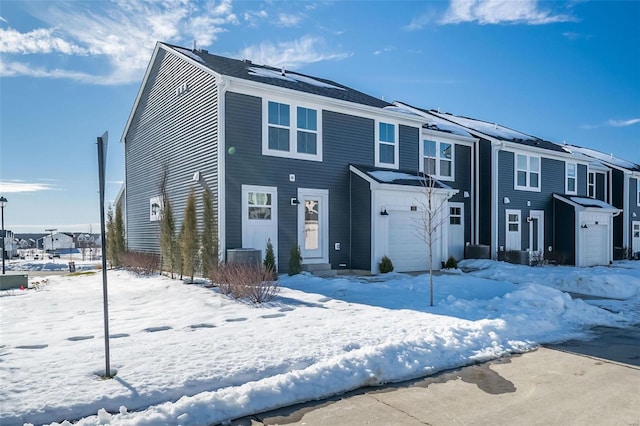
(184, 354)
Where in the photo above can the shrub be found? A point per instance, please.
(269, 258)
(451, 263)
(253, 283)
(140, 262)
(295, 261)
(385, 265)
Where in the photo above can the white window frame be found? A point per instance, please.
(591, 186)
(638, 191)
(567, 178)
(293, 130)
(396, 145)
(528, 171)
(423, 156)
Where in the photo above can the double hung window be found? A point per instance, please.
(386, 145)
(571, 180)
(437, 159)
(591, 185)
(291, 131)
(527, 173)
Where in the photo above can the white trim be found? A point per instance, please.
(527, 186)
(567, 177)
(438, 159)
(495, 149)
(638, 191)
(626, 204)
(378, 143)
(593, 185)
(293, 130)
(634, 248)
(222, 84)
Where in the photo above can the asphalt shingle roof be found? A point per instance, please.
(247, 70)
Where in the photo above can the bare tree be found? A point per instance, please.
(435, 214)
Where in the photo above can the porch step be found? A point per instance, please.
(320, 269)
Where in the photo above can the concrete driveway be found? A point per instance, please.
(544, 387)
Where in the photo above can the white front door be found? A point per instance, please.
(313, 225)
(513, 240)
(536, 232)
(456, 230)
(260, 218)
(635, 236)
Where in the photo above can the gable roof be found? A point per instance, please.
(587, 203)
(280, 77)
(498, 132)
(607, 159)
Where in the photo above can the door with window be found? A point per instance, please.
(456, 230)
(513, 236)
(260, 217)
(635, 236)
(536, 233)
(313, 225)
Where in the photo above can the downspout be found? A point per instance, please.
(474, 195)
(223, 85)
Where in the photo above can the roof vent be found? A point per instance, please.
(194, 46)
(204, 51)
(283, 71)
(247, 61)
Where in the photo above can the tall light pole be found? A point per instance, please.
(3, 202)
(52, 249)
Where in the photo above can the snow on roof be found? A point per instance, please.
(289, 76)
(606, 158)
(189, 53)
(433, 122)
(491, 129)
(390, 176)
(590, 202)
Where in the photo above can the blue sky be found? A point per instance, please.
(563, 71)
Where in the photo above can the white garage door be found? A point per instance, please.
(595, 249)
(407, 249)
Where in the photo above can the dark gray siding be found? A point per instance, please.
(552, 180)
(582, 180)
(601, 181)
(346, 139)
(179, 131)
(462, 183)
(361, 223)
(617, 200)
(484, 194)
(564, 232)
(633, 208)
(409, 149)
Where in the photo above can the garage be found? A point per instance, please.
(407, 247)
(583, 230)
(596, 246)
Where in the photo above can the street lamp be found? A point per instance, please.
(3, 202)
(52, 249)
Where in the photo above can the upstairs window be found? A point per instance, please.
(571, 179)
(591, 185)
(291, 131)
(279, 126)
(437, 159)
(386, 145)
(527, 173)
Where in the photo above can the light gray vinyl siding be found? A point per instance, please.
(552, 179)
(179, 132)
(347, 139)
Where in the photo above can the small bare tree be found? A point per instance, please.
(435, 214)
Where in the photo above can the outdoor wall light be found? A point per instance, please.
(506, 200)
(384, 212)
(584, 226)
(294, 201)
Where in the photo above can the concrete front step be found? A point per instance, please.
(320, 269)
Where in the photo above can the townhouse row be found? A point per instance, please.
(304, 161)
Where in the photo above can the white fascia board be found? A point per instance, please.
(254, 88)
